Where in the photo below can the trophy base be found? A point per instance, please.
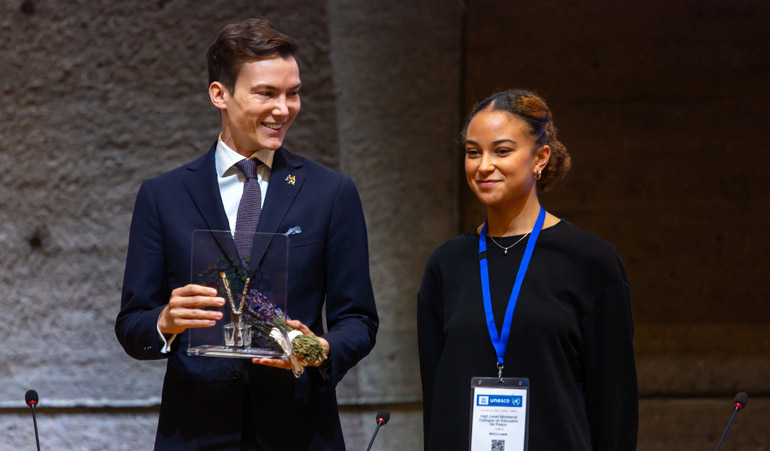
(236, 353)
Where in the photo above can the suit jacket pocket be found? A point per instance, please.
(306, 238)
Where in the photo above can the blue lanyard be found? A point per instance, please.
(501, 342)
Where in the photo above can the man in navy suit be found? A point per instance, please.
(220, 403)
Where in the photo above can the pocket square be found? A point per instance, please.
(293, 231)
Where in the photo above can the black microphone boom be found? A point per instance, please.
(741, 400)
(383, 416)
(31, 399)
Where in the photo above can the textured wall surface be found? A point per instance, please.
(699, 425)
(100, 95)
(397, 113)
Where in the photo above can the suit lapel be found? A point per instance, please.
(286, 180)
(201, 183)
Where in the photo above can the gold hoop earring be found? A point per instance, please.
(539, 174)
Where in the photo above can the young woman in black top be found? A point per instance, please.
(571, 333)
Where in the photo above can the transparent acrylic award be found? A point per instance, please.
(254, 289)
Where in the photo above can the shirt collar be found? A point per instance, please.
(226, 157)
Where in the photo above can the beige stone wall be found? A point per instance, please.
(100, 95)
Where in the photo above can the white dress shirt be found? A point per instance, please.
(231, 181)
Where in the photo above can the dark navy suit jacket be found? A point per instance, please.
(220, 403)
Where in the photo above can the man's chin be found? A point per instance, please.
(271, 144)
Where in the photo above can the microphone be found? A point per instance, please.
(741, 400)
(382, 418)
(31, 399)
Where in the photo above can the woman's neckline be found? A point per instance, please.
(557, 224)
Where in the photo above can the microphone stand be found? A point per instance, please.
(34, 420)
(374, 435)
(724, 435)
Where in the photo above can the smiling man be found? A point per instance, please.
(248, 181)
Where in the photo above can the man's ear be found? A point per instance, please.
(219, 95)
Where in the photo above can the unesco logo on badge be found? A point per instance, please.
(498, 400)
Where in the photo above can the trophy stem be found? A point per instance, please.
(236, 317)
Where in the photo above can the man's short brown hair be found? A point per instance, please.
(252, 39)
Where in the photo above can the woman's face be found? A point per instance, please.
(501, 160)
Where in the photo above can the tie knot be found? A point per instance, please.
(248, 167)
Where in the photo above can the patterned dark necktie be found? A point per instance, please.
(249, 208)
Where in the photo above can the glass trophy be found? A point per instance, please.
(253, 320)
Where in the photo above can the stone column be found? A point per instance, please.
(396, 70)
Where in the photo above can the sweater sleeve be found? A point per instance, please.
(430, 338)
(610, 371)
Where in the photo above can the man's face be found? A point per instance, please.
(263, 104)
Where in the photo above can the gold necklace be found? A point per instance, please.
(239, 310)
(505, 248)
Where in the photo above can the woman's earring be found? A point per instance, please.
(539, 174)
